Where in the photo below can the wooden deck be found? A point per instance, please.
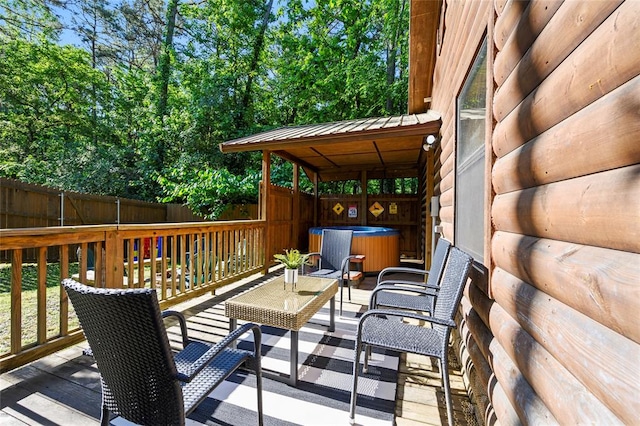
(64, 388)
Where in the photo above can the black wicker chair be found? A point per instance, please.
(416, 294)
(384, 328)
(334, 257)
(142, 380)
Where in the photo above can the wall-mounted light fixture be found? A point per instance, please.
(429, 141)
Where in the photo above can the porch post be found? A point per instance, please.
(266, 206)
(315, 199)
(364, 198)
(295, 229)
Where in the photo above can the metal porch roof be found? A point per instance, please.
(383, 146)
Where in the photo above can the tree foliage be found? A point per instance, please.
(138, 103)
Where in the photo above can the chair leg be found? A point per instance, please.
(444, 369)
(341, 295)
(354, 389)
(259, 387)
(104, 417)
(367, 354)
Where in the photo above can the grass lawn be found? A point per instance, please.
(30, 303)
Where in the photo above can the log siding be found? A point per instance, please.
(550, 328)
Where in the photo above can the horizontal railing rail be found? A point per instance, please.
(181, 261)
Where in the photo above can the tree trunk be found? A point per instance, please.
(392, 53)
(257, 49)
(164, 71)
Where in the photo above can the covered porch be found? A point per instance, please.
(360, 151)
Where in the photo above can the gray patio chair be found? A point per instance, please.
(415, 294)
(334, 256)
(385, 328)
(142, 380)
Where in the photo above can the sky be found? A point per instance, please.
(70, 37)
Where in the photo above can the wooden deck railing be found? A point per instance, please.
(181, 261)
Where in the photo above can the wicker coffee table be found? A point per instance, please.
(277, 305)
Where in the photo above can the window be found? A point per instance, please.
(470, 169)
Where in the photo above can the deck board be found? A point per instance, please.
(64, 388)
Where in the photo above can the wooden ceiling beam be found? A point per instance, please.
(296, 160)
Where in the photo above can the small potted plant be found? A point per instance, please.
(292, 260)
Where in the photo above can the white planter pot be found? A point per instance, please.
(291, 277)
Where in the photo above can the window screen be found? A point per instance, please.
(470, 191)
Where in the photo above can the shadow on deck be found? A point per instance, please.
(64, 388)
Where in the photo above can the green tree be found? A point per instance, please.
(140, 109)
(28, 20)
(47, 92)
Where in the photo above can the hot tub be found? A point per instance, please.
(381, 246)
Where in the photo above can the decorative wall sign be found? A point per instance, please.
(393, 208)
(338, 208)
(353, 211)
(376, 209)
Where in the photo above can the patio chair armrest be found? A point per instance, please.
(401, 269)
(183, 324)
(310, 256)
(424, 291)
(188, 370)
(345, 263)
(405, 314)
(416, 284)
(416, 291)
(412, 283)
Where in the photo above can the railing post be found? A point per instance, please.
(114, 267)
(16, 301)
(62, 208)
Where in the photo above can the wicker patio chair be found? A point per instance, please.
(142, 380)
(333, 258)
(385, 328)
(415, 294)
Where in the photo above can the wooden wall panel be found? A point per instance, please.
(575, 21)
(601, 209)
(604, 361)
(526, 403)
(281, 219)
(475, 369)
(546, 375)
(565, 236)
(577, 82)
(607, 128)
(510, 13)
(609, 294)
(551, 381)
(465, 27)
(466, 24)
(406, 220)
(521, 34)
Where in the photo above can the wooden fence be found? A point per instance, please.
(401, 212)
(181, 261)
(24, 205)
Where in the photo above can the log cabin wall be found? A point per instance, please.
(549, 327)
